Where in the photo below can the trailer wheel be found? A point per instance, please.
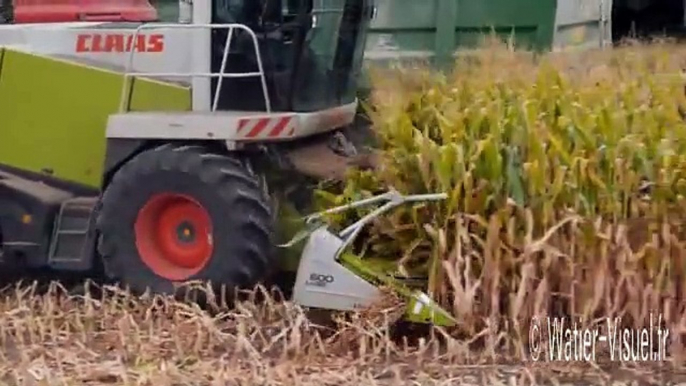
(175, 214)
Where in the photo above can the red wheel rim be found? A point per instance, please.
(174, 236)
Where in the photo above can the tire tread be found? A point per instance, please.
(237, 186)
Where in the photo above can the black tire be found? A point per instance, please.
(241, 218)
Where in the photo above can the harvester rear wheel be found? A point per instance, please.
(175, 214)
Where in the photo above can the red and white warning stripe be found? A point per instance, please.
(259, 128)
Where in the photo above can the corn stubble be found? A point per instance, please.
(566, 178)
(53, 338)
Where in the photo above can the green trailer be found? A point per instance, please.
(436, 31)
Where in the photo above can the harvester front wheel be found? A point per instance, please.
(175, 214)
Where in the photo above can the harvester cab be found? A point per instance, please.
(135, 148)
(293, 63)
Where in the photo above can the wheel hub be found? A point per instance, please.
(185, 233)
(174, 236)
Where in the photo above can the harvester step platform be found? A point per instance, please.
(70, 241)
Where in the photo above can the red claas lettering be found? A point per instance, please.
(95, 42)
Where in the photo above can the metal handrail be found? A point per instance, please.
(221, 74)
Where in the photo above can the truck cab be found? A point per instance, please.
(62, 11)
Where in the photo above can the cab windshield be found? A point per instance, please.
(333, 48)
(311, 51)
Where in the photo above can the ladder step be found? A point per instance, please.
(71, 230)
(77, 232)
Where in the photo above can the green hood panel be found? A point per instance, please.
(53, 113)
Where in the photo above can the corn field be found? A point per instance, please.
(566, 178)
